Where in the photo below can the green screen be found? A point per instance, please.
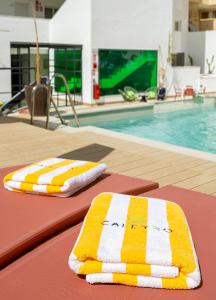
(69, 63)
(120, 68)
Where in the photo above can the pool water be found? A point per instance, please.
(193, 128)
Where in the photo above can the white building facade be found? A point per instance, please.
(102, 30)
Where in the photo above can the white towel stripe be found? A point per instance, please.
(158, 250)
(48, 177)
(21, 174)
(194, 277)
(13, 185)
(112, 236)
(153, 282)
(98, 277)
(39, 188)
(164, 271)
(113, 268)
(86, 177)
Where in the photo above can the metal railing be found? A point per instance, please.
(61, 76)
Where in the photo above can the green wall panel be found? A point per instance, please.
(120, 68)
(69, 63)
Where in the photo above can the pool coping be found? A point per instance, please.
(127, 107)
(142, 141)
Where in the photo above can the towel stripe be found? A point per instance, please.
(158, 241)
(48, 177)
(71, 173)
(34, 176)
(114, 230)
(180, 240)
(96, 215)
(127, 279)
(21, 174)
(136, 234)
(153, 282)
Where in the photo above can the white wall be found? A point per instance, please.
(184, 76)
(196, 48)
(22, 29)
(17, 29)
(202, 45)
(137, 24)
(209, 82)
(180, 13)
(210, 49)
(72, 25)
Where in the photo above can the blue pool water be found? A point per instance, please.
(193, 128)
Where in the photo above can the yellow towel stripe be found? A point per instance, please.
(134, 244)
(126, 279)
(26, 187)
(34, 176)
(53, 189)
(180, 242)
(172, 283)
(89, 240)
(60, 179)
(138, 269)
(90, 267)
(9, 176)
(29, 187)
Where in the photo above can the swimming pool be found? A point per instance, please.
(193, 127)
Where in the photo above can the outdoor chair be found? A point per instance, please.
(44, 272)
(129, 94)
(178, 92)
(28, 220)
(189, 91)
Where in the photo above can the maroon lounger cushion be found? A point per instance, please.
(44, 272)
(27, 220)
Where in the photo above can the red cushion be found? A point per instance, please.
(189, 91)
(44, 272)
(27, 220)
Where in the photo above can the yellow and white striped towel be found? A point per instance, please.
(136, 241)
(54, 177)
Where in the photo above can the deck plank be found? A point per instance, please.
(23, 143)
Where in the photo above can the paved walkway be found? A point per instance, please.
(22, 143)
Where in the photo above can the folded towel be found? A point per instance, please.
(136, 241)
(54, 177)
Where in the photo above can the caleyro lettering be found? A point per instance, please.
(135, 226)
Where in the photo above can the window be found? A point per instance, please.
(49, 12)
(120, 68)
(54, 59)
(204, 15)
(178, 25)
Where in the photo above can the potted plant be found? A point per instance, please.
(211, 65)
(37, 101)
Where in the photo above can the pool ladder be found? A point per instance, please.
(51, 100)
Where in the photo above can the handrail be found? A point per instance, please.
(49, 101)
(68, 93)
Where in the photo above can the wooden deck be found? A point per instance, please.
(22, 143)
